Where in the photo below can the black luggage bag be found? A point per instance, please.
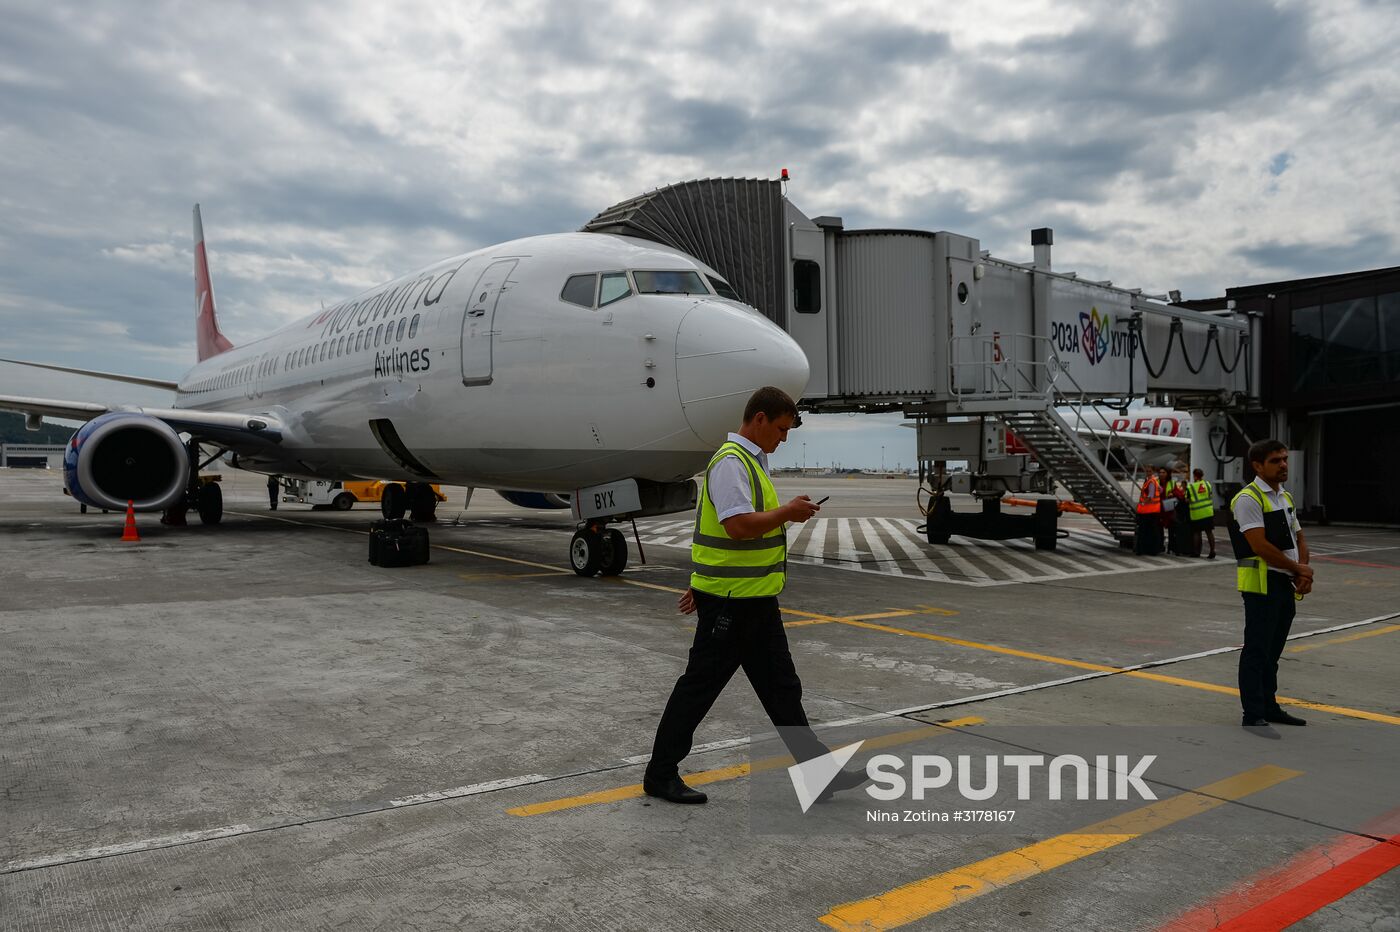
(397, 543)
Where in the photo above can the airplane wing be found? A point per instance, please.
(235, 430)
(93, 373)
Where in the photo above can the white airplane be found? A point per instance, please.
(604, 367)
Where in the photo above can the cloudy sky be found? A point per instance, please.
(1190, 145)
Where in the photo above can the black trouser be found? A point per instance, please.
(1148, 541)
(757, 642)
(272, 499)
(1267, 619)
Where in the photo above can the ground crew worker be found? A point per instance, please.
(1200, 498)
(1174, 520)
(272, 489)
(1148, 541)
(1272, 566)
(739, 557)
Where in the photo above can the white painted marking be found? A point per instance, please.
(473, 789)
(128, 847)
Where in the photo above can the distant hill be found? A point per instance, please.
(12, 431)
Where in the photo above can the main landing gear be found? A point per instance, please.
(414, 498)
(598, 550)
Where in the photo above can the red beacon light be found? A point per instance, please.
(784, 175)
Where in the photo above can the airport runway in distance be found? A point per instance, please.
(248, 727)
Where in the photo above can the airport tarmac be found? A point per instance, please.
(248, 727)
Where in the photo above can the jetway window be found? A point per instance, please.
(806, 286)
(614, 288)
(723, 290)
(670, 282)
(413, 327)
(579, 289)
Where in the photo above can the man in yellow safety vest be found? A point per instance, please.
(1200, 498)
(739, 557)
(1271, 569)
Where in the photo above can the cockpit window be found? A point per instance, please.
(614, 288)
(579, 290)
(670, 282)
(722, 288)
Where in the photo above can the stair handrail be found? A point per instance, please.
(1104, 436)
(1000, 370)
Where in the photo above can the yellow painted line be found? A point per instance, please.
(1342, 640)
(976, 645)
(923, 898)
(721, 774)
(474, 576)
(1136, 674)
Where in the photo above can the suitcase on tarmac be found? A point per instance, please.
(397, 543)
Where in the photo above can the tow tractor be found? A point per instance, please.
(342, 496)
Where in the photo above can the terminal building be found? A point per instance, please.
(1329, 382)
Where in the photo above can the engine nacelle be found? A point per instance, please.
(124, 456)
(535, 499)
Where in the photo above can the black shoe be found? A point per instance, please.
(845, 780)
(1280, 717)
(1260, 728)
(1211, 557)
(673, 790)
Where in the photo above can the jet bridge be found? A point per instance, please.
(930, 324)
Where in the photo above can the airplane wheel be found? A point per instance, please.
(211, 503)
(614, 552)
(82, 509)
(394, 502)
(586, 552)
(344, 501)
(422, 504)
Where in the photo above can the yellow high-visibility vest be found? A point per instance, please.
(1252, 573)
(1201, 498)
(742, 569)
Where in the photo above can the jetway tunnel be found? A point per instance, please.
(928, 323)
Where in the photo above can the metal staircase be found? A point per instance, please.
(1074, 465)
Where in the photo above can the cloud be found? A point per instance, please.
(1170, 143)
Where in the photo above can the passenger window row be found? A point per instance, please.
(366, 338)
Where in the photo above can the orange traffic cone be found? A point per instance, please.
(129, 532)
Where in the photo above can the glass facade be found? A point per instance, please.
(1345, 343)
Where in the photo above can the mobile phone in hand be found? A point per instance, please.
(822, 501)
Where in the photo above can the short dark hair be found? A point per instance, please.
(1198, 472)
(771, 401)
(1259, 453)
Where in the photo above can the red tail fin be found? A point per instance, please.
(206, 324)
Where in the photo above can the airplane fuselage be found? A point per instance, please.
(477, 371)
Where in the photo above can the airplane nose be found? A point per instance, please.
(723, 354)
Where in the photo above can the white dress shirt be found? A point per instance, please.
(1250, 515)
(729, 485)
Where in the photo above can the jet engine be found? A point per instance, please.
(124, 456)
(535, 499)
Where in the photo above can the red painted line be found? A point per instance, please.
(1304, 900)
(1379, 566)
(1277, 881)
